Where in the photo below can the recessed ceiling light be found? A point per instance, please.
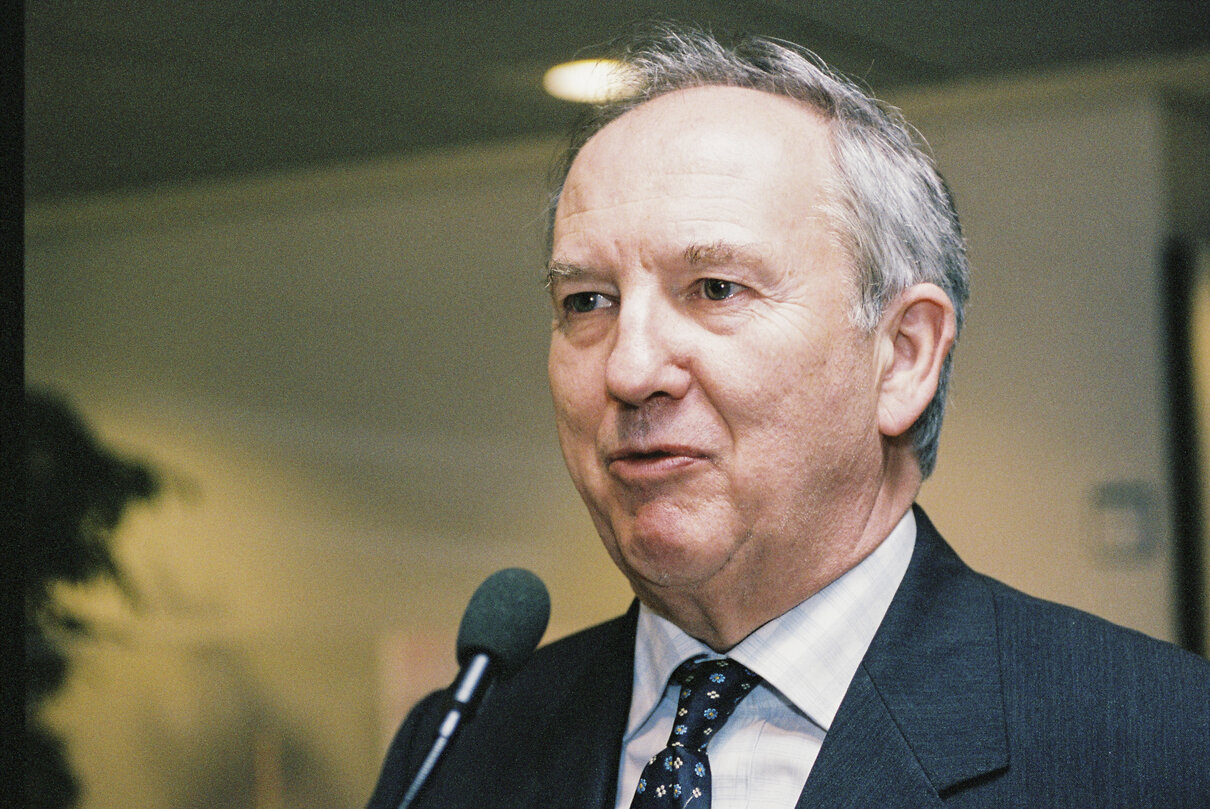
(590, 81)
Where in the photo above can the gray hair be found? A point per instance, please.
(890, 209)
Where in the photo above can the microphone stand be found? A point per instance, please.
(469, 687)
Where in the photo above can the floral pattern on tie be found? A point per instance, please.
(679, 775)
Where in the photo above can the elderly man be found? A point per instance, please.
(757, 280)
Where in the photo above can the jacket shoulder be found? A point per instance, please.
(1056, 638)
(613, 636)
(1128, 712)
(1077, 711)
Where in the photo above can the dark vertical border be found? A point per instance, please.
(1184, 463)
(12, 387)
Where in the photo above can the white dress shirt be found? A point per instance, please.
(762, 756)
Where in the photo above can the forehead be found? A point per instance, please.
(700, 152)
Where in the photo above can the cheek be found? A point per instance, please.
(775, 383)
(802, 403)
(578, 396)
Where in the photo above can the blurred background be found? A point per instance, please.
(284, 261)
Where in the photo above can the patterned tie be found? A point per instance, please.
(679, 775)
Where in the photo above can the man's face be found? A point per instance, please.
(715, 404)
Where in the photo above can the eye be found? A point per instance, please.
(579, 303)
(716, 289)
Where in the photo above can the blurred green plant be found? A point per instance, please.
(77, 493)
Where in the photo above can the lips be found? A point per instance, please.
(651, 463)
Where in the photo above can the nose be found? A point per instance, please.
(649, 355)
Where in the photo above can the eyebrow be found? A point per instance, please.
(714, 254)
(718, 253)
(562, 271)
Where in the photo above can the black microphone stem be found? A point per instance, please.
(467, 690)
(501, 627)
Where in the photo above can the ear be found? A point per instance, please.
(914, 338)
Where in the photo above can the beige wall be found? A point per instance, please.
(343, 374)
(1060, 376)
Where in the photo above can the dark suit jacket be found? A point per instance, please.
(971, 694)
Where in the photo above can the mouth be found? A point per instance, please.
(651, 463)
(654, 452)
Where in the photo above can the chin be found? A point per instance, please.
(674, 558)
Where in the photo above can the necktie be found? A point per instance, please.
(679, 775)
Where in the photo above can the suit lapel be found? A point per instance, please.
(924, 712)
(865, 760)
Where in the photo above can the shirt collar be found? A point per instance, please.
(808, 655)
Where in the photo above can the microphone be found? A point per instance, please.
(500, 629)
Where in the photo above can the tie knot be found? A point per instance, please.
(710, 690)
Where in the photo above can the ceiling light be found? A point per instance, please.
(590, 81)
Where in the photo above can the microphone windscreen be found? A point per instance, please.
(505, 618)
